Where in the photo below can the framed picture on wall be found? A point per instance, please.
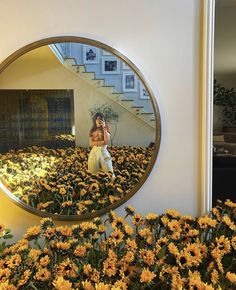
(110, 65)
(143, 92)
(90, 54)
(130, 82)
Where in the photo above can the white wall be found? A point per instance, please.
(162, 38)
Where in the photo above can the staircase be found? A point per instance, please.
(142, 109)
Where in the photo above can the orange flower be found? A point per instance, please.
(80, 251)
(24, 278)
(32, 233)
(14, 261)
(61, 284)
(42, 275)
(147, 276)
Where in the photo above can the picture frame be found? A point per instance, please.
(129, 82)
(90, 54)
(110, 65)
(143, 92)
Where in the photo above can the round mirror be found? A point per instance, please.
(79, 128)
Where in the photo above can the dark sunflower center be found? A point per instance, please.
(183, 260)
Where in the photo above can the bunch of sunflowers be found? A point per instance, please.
(168, 251)
(57, 181)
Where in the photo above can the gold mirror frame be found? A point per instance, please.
(82, 40)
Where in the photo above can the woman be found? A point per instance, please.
(99, 136)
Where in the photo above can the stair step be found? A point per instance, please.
(137, 107)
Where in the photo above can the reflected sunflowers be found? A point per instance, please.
(56, 181)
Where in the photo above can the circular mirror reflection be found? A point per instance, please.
(79, 129)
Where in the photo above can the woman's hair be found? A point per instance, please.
(96, 115)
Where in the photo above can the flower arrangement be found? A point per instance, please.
(57, 181)
(168, 251)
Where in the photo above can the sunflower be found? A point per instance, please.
(174, 226)
(6, 286)
(151, 218)
(206, 222)
(87, 285)
(129, 257)
(44, 261)
(95, 277)
(147, 276)
(222, 247)
(129, 210)
(32, 233)
(131, 245)
(173, 249)
(102, 286)
(137, 219)
(42, 275)
(50, 233)
(128, 230)
(34, 254)
(62, 191)
(173, 213)
(230, 203)
(67, 268)
(64, 246)
(121, 285)
(214, 276)
(183, 259)
(46, 223)
(64, 230)
(4, 274)
(94, 187)
(87, 269)
(194, 251)
(116, 237)
(147, 256)
(118, 222)
(61, 284)
(14, 261)
(233, 242)
(67, 203)
(109, 267)
(195, 281)
(80, 251)
(231, 277)
(226, 219)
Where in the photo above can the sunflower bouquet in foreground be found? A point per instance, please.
(168, 251)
